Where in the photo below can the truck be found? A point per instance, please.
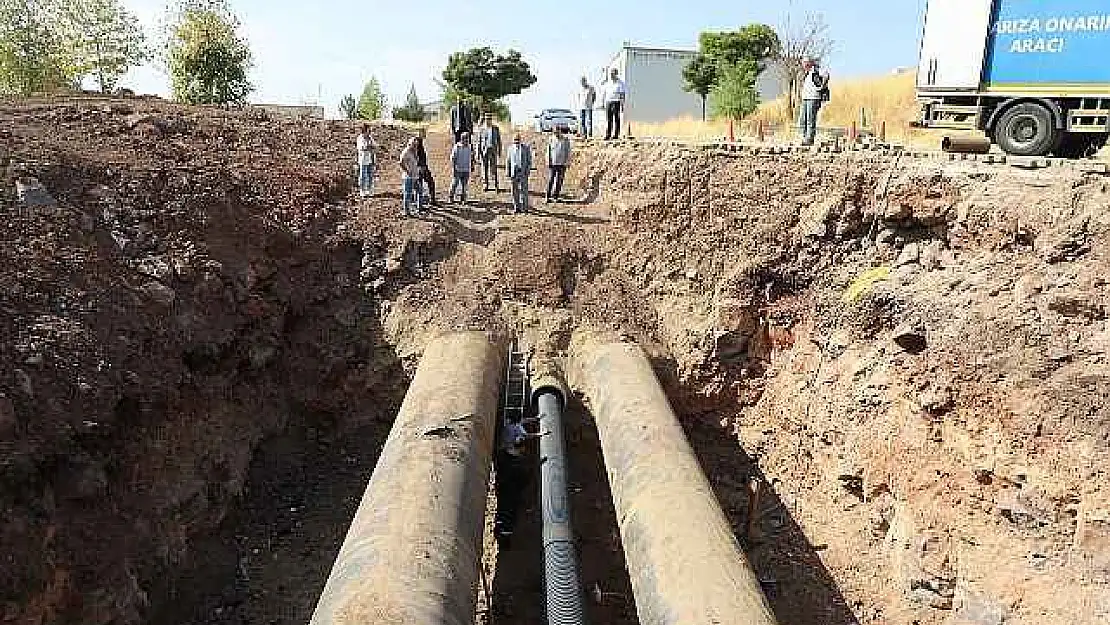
(1033, 75)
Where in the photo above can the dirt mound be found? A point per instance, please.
(176, 300)
(911, 357)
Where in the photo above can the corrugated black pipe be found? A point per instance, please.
(565, 604)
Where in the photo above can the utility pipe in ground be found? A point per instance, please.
(684, 561)
(413, 550)
(966, 144)
(563, 589)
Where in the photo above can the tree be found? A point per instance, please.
(30, 50)
(807, 38)
(449, 95)
(754, 42)
(730, 56)
(412, 111)
(735, 96)
(488, 77)
(101, 38)
(207, 59)
(499, 110)
(349, 107)
(371, 104)
(699, 76)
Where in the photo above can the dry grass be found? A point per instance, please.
(889, 98)
(866, 101)
(683, 128)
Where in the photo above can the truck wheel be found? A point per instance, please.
(1026, 129)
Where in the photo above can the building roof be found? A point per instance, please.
(628, 46)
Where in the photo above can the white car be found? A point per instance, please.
(549, 119)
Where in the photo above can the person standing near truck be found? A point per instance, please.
(587, 96)
(614, 93)
(815, 92)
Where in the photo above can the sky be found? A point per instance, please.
(315, 52)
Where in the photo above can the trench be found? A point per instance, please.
(268, 561)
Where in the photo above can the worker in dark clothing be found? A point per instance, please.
(462, 119)
(425, 172)
(512, 477)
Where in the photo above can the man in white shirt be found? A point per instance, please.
(614, 94)
(815, 92)
(367, 161)
(587, 95)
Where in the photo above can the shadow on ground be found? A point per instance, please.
(800, 589)
(269, 563)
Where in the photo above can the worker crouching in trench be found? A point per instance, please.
(513, 476)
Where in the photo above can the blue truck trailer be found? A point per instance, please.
(1034, 75)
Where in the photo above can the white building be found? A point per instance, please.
(654, 80)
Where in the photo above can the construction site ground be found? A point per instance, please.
(205, 334)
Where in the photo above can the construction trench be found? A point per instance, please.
(413, 552)
(865, 388)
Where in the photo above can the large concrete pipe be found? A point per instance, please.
(564, 602)
(686, 566)
(413, 550)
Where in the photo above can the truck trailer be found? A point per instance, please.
(1031, 74)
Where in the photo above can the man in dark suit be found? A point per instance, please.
(462, 119)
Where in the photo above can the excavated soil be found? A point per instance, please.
(205, 335)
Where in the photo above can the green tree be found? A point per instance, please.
(349, 107)
(449, 95)
(412, 111)
(727, 67)
(499, 110)
(699, 76)
(486, 76)
(735, 96)
(30, 49)
(100, 38)
(206, 57)
(371, 104)
(754, 42)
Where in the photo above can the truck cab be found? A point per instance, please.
(1032, 76)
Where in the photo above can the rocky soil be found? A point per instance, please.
(204, 337)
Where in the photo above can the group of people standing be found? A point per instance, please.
(614, 95)
(484, 148)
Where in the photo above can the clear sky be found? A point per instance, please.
(308, 52)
